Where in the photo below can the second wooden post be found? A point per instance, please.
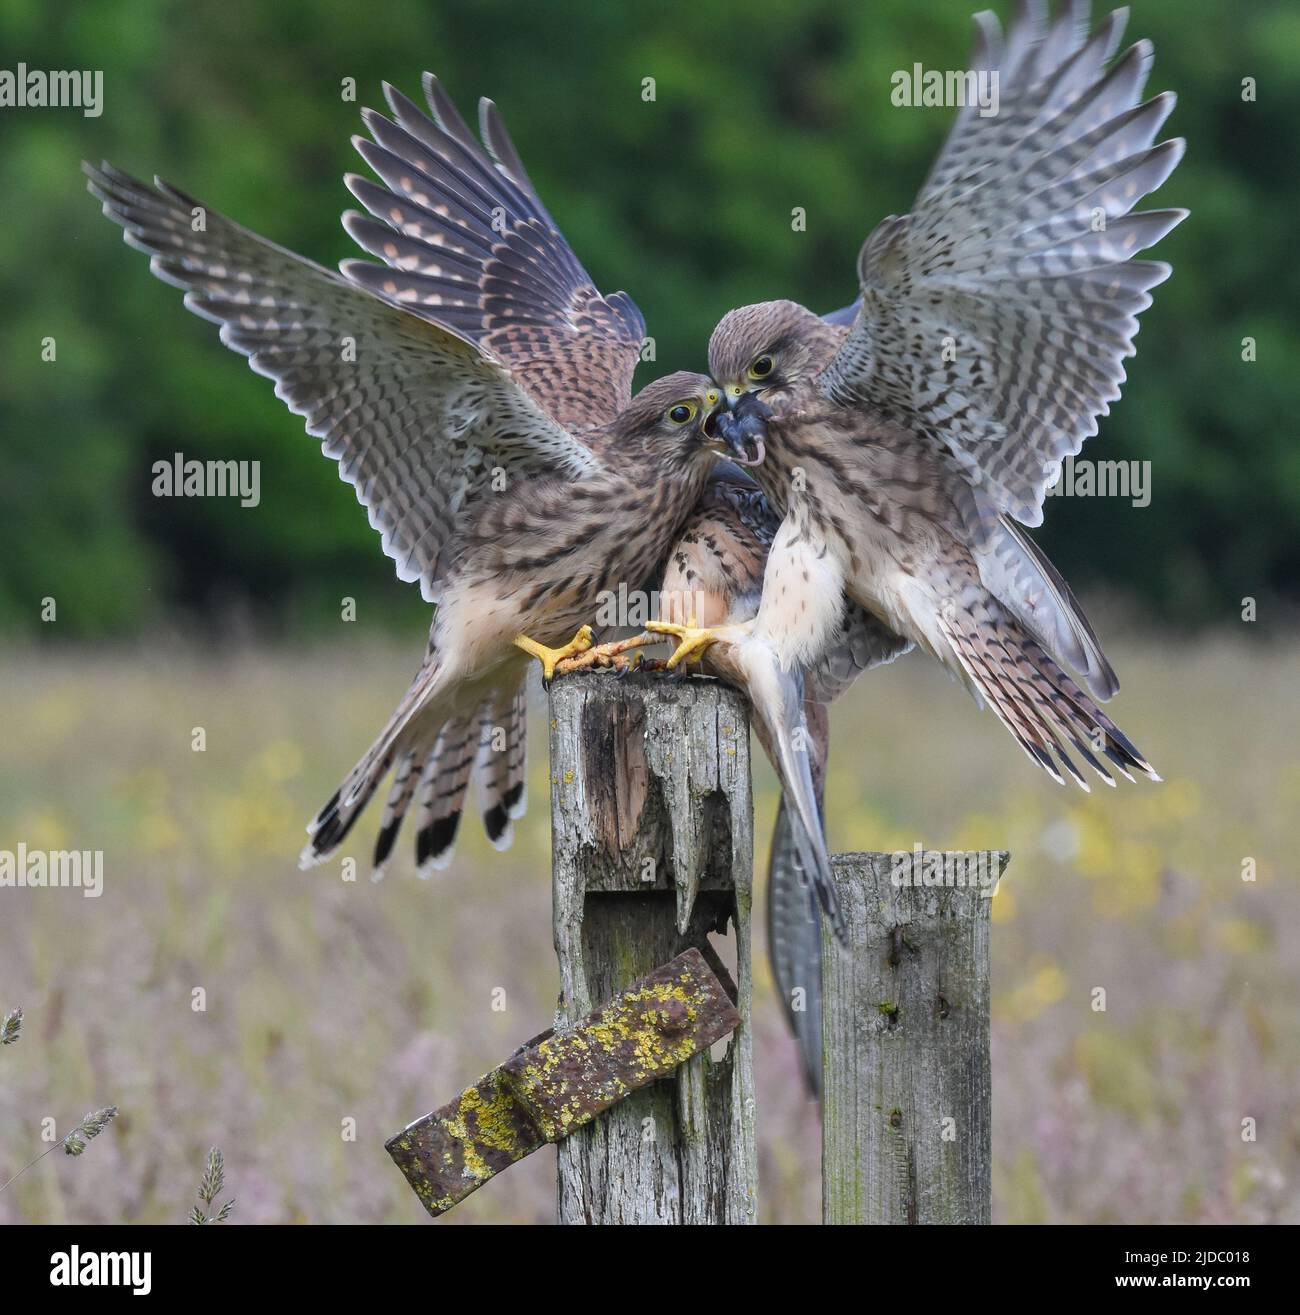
(906, 1108)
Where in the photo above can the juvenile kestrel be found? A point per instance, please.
(476, 391)
(714, 577)
(991, 332)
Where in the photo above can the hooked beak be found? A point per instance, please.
(743, 426)
(713, 438)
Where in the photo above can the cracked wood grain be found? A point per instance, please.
(652, 849)
(905, 1030)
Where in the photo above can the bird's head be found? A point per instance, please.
(674, 420)
(758, 354)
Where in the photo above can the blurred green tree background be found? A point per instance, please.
(685, 201)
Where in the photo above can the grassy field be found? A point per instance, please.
(328, 1001)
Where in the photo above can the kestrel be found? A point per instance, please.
(476, 391)
(714, 577)
(990, 335)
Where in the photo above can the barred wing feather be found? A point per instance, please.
(997, 315)
(461, 223)
(418, 417)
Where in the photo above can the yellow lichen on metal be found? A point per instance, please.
(458, 1126)
(564, 1080)
(476, 1122)
(644, 1034)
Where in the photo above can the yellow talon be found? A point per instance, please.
(691, 641)
(548, 657)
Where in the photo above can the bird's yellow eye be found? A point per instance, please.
(761, 368)
(682, 413)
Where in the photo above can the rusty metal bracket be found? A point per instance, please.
(562, 1080)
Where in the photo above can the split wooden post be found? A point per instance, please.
(652, 848)
(906, 1110)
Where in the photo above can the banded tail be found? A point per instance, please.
(434, 766)
(1038, 702)
(776, 697)
(794, 932)
(503, 787)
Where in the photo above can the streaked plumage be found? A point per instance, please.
(989, 336)
(714, 577)
(476, 392)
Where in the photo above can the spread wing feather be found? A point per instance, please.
(417, 416)
(997, 315)
(466, 239)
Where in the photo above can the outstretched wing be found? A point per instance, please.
(468, 242)
(417, 417)
(996, 317)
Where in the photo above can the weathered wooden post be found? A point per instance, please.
(652, 846)
(905, 1032)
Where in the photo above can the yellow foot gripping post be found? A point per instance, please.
(550, 657)
(691, 640)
